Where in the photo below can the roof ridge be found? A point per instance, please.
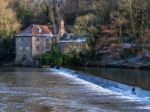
(36, 30)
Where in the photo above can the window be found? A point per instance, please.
(27, 48)
(38, 39)
(48, 39)
(27, 58)
(21, 48)
(21, 39)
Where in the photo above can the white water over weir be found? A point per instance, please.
(108, 87)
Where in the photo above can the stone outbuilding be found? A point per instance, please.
(72, 43)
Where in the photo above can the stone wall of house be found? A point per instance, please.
(23, 49)
(29, 47)
(68, 47)
(41, 45)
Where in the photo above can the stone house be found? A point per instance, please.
(38, 39)
(33, 41)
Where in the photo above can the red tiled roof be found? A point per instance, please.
(37, 30)
(40, 29)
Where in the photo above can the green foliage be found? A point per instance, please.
(8, 20)
(137, 12)
(84, 25)
(23, 12)
(7, 49)
(45, 59)
(87, 20)
(67, 59)
(55, 58)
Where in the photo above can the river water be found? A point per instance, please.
(52, 90)
(133, 77)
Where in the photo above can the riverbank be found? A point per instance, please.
(117, 64)
(128, 63)
(89, 64)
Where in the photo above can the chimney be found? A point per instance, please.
(62, 27)
(61, 30)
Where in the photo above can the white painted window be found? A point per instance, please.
(27, 48)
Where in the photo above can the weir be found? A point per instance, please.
(126, 91)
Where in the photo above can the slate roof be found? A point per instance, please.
(37, 30)
(71, 37)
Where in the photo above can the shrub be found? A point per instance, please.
(56, 57)
(67, 59)
(7, 49)
(45, 59)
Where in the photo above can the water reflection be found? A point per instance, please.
(131, 77)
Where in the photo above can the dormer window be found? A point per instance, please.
(39, 29)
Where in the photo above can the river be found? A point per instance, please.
(64, 90)
(133, 77)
